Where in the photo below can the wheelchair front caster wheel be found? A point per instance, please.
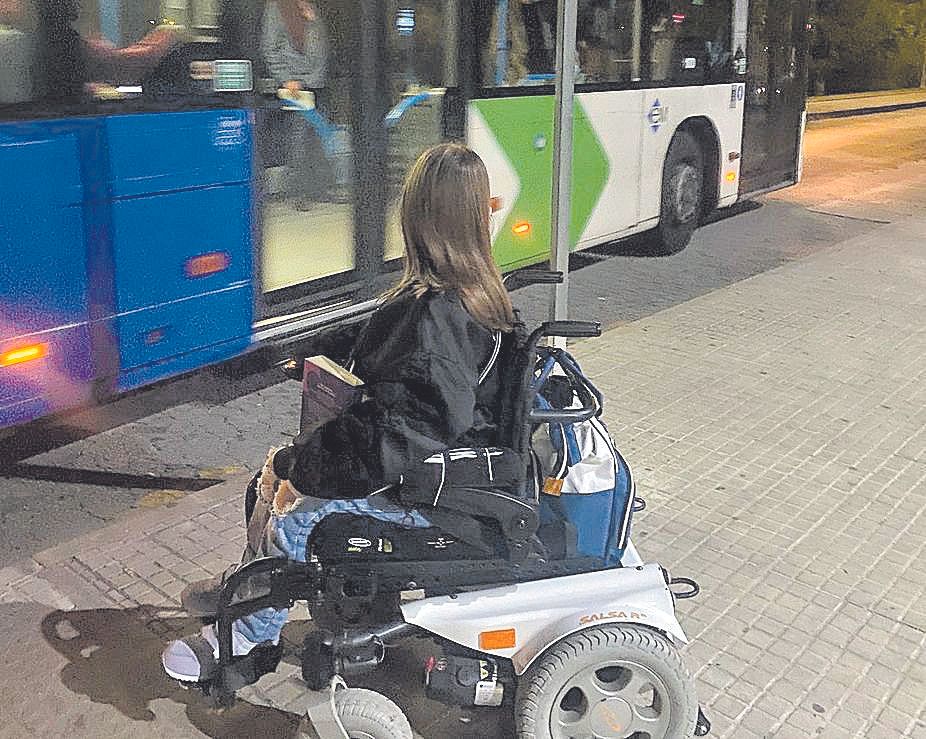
(364, 714)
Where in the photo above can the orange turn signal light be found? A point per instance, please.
(207, 264)
(501, 639)
(23, 354)
(521, 228)
(730, 176)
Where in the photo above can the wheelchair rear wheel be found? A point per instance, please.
(615, 681)
(366, 714)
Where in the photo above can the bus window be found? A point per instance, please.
(521, 45)
(605, 43)
(416, 44)
(306, 64)
(18, 43)
(539, 19)
(105, 50)
(421, 61)
(687, 42)
(604, 40)
(201, 16)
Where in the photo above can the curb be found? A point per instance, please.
(865, 111)
(146, 520)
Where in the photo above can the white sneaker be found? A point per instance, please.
(194, 658)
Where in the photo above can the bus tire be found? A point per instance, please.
(682, 199)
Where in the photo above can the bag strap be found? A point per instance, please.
(492, 358)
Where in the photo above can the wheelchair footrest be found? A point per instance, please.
(243, 671)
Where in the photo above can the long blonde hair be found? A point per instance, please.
(445, 223)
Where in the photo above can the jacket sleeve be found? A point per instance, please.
(423, 403)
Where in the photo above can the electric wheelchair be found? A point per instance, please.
(536, 596)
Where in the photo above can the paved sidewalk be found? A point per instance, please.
(778, 431)
(864, 103)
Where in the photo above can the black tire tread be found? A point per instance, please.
(541, 678)
(666, 243)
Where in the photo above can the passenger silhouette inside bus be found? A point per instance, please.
(17, 51)
(294, 47)
(539, 17)
(74, 63)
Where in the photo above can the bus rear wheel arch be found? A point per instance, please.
(687, 192)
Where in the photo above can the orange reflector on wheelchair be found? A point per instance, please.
(501, 639)
(553, 485)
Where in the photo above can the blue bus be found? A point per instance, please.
(184, 180)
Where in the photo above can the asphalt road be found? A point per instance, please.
(64, 478)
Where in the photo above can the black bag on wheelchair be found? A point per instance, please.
(466, 496)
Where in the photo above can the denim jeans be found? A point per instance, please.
(287, 536)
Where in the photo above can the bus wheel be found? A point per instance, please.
(682, 195)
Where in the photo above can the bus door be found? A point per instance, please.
(420, 65)
(323, 225)
(304, 57)
(775, 92)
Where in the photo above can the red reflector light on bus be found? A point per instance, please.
(23, 354)
(521, 228)
(207, 264)
(496, 203)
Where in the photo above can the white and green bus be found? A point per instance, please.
(680, 108)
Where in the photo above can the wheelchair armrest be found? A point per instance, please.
(284, 581)
(517, 518)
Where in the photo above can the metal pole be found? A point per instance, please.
(501, 42)
(635, 64)
(369, 103)
(562, 153)
(111, 21)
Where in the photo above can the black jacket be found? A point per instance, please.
(420, 360)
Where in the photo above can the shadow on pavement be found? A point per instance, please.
(643, 244)
(105, 478)
(114, 659)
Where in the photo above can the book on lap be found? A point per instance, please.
(327, 388)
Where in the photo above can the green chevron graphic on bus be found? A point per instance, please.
(523, 129)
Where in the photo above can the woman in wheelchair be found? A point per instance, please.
(428, 357)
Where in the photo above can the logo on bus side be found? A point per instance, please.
(737, 93)
(656, 115)
(229, 132)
